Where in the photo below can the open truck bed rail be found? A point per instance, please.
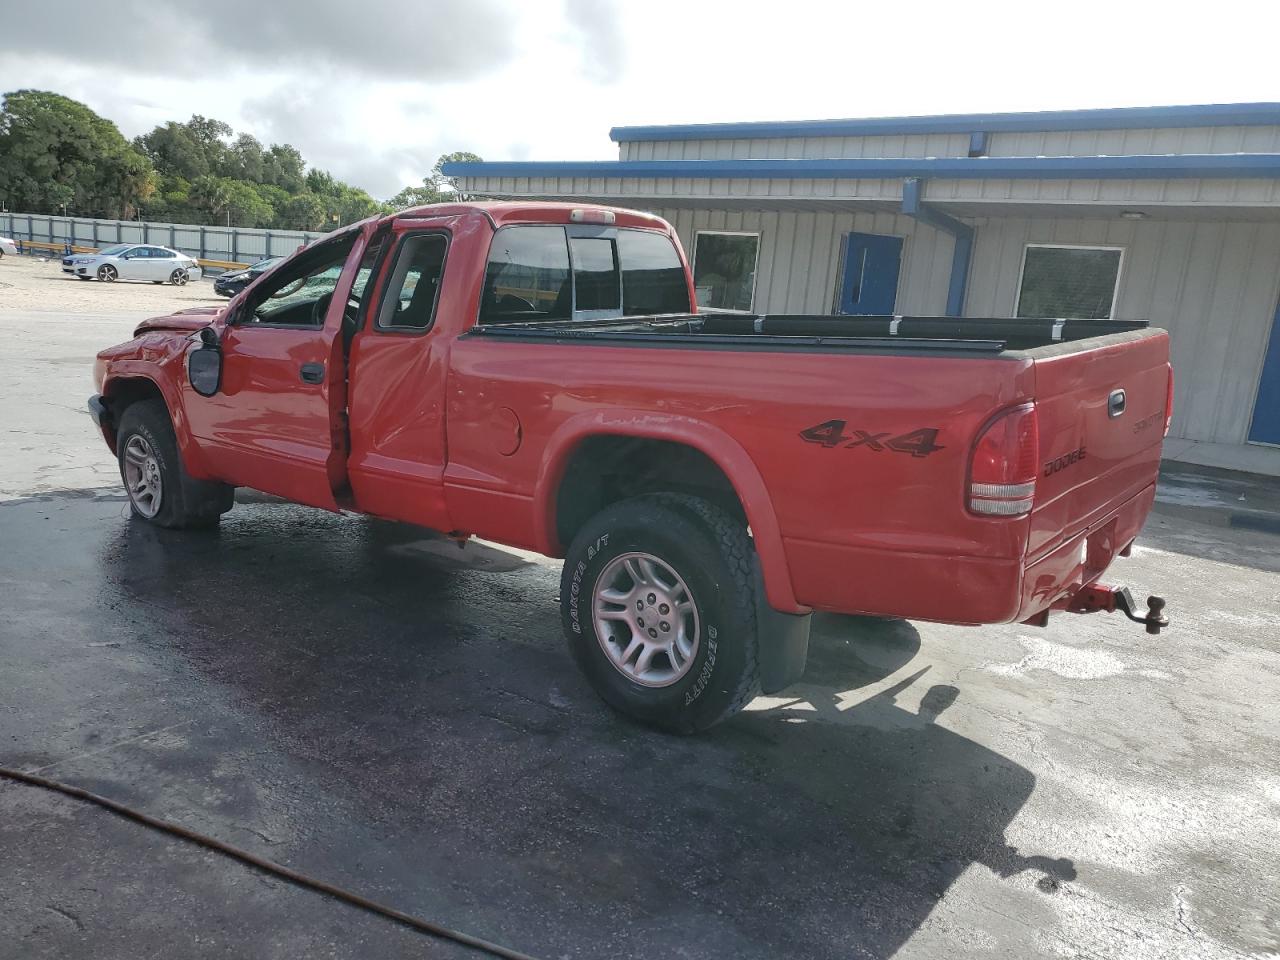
(895, 333)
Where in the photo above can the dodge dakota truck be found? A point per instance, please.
(538, 374)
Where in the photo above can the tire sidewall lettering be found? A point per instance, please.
(575, 584)
(708, 667)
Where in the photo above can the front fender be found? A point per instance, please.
(721, 448)
(163, 374)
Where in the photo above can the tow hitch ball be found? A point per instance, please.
(1098, 597)
(1155, 618)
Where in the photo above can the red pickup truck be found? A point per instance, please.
(538, 375)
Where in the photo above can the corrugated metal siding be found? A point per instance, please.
(1213, 286)
(799, 266)
(914, 145)
(1194, 192)
(1254, 192)
(1075, 143)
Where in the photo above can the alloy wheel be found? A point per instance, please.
(142, 476)
(646, 619)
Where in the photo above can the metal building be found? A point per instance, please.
(1170, 214)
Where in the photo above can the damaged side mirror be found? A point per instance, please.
(204, 364)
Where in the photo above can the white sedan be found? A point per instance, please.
(8, 247)
(130, 261)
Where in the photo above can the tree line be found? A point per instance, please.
(58, 156)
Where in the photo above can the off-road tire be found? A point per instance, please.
(185, 503)
(712, 552)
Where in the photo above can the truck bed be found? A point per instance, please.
(894, 334)
(897, 517)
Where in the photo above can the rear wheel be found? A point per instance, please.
(159, 489)
(178, 278)
(658, 606)
(107, 273)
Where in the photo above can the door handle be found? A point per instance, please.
(1115, 403)
(312, 373)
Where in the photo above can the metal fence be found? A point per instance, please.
(225, 244)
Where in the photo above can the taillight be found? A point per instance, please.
(1168, 402)
(1002, 470)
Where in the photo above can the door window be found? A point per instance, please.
(409, 303)
(724, 269)
(298, 295)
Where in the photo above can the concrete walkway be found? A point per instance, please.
(1246, 457)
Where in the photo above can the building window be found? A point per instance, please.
(1077, 283)
(724, 269)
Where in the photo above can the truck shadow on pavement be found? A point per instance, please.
(430, 728)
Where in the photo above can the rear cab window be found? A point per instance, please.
(581, 273)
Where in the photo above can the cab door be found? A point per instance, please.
(397, 377)
(275, 423)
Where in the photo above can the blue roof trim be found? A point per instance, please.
(1114, 118)
(1155, 167)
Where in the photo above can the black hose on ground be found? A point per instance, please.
(267, 866)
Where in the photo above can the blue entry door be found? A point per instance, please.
(1266, 408)
(871, 266)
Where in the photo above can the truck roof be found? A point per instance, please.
(500, 212)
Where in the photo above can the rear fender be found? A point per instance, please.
(722, 449)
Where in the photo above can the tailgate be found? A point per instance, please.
(1101, 411)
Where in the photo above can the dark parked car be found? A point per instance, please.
(232, 282)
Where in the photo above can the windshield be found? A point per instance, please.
(114, 249)
(262, 266)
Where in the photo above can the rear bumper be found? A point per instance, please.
(1058, 576)
(958, 589)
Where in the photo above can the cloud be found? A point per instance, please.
(446, 39)
(603, 40)
(365, 134)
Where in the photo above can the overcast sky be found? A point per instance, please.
(374, 91)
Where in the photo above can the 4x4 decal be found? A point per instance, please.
(831, 433)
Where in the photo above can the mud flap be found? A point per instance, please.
(783, 639)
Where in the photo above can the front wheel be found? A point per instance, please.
(159, 489)
(658, 606)
(107, 273)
